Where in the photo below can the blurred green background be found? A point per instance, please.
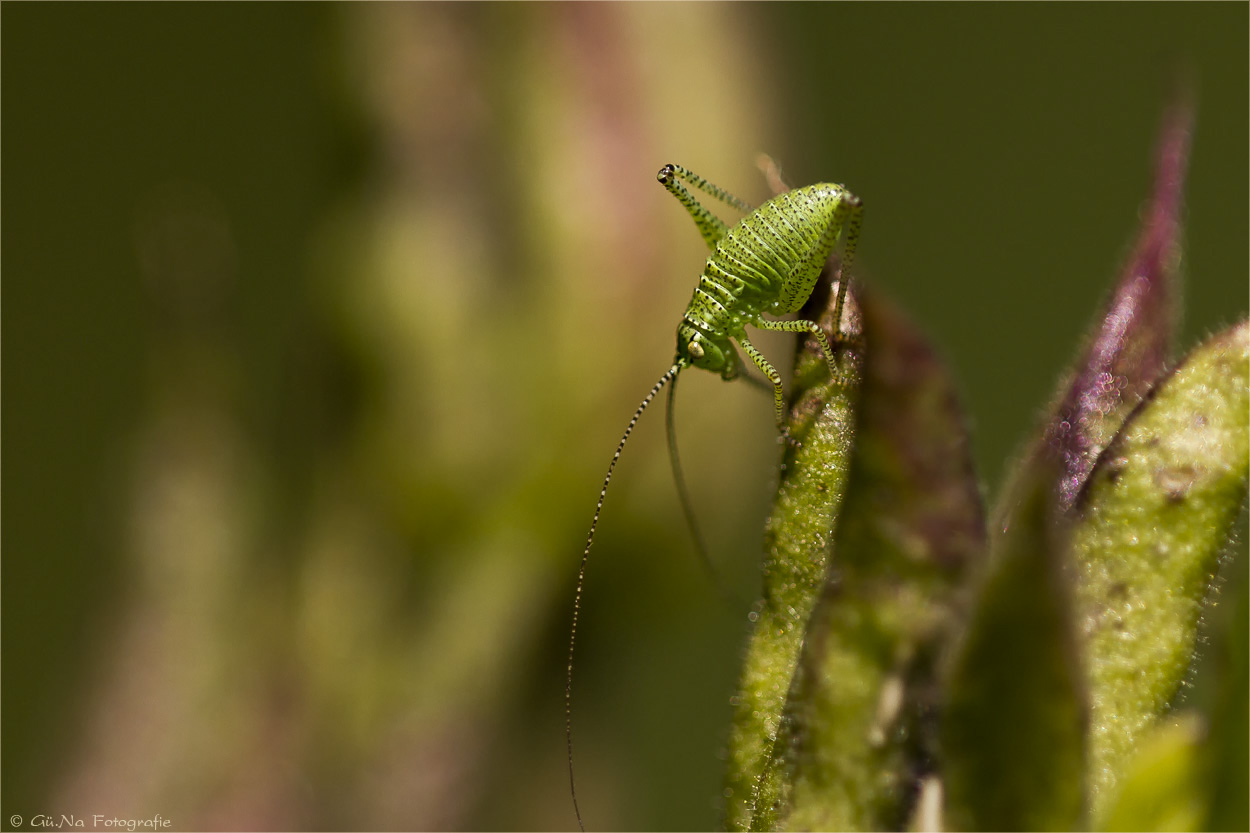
(322, 322)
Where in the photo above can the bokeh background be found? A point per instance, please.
(321, 323)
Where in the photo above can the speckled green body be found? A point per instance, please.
(766, 264)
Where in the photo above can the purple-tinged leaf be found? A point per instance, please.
(1130, 348)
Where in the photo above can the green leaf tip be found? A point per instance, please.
(858, 723)
(798, 540)
(1151, 524)
(1013, 734)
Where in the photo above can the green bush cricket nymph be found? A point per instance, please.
(766, 264)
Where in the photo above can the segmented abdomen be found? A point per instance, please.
(770, 260)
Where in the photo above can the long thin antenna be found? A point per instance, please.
(683, 495)
(669, 376)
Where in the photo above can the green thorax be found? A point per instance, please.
(767, 263)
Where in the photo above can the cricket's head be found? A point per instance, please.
(697, 348)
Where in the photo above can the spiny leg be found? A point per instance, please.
(779, 394)
(801, 326)
(756, 382)
(669, 376)
(711, 227)
(710, 189)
